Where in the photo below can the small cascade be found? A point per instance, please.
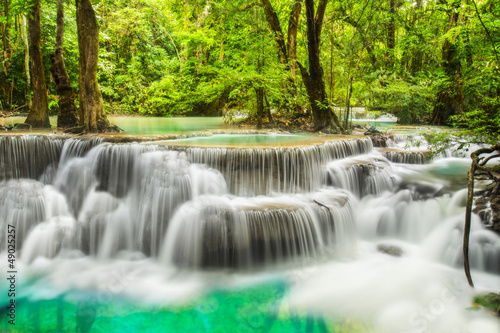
(113, 165)
(262, 171)
(155, 184)
(164, 181)
(75, 179)
(28, 156)
(77, 148)
(24, 204)
(48, 238)
(39, 156)
(362, 175)
(99, 217)
(398, 216)
(396, 140)
(219, 232)
(405, 157)
(445, 245)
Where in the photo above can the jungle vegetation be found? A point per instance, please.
(434, 62)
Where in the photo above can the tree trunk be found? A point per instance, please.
(274, 23)
(478, 167)
(468, 214)
(268, 109)
(68, 114)
(391, 28)
(92, 115)
(391, 33)
(323, 116)
(287, 53)
(39, 113)
(450, 97)
(418, 55)
(7, 49)
(293, 26)
(348, 101)
(260, 106)
(26, 45)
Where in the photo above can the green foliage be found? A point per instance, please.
(411, 101)
(490, 301)
(481, 123)
(183, 57)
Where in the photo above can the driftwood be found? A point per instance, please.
(478, 167)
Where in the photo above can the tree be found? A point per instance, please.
(287, 51)
(39, 113)
(92, 115)
(323, 116)
(450, 97)
(479, 168)
(68, 114)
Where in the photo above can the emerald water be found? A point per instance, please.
(201, 236)
(147, 125)
(260, 308)
(249, 140)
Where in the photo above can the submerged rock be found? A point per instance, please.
(391, 250)
(372, 130)
(22, 126)
(378, 139)
(487, 206)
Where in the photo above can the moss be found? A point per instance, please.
(490, 301)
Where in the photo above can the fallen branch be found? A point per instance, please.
(478, 165)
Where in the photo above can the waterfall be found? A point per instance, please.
(180, 204)
(28, 156)
(362, 175)
(262, 171)
(407, 157)
(124, 197)
(243, 233)
(39, 156)
(337, 219)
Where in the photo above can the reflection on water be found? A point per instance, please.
(146, 125)
(160, 125)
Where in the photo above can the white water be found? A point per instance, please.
(162, 225)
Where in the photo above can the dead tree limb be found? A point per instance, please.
(478, 165)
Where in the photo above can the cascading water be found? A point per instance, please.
(337, 221)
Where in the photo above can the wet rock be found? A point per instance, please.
(487, 206)
(391, 250)
(379, 140)
(372, 130)
(22, 126)
(490, 301)
(421, 190)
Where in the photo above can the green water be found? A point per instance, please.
(261, 308)
(161, 125)
(376, 124)
(250, 140)
(147, 125)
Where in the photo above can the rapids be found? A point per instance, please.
(353, 232)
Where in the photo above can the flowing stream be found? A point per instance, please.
(159, 237)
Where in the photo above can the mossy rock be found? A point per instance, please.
(490, 301)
